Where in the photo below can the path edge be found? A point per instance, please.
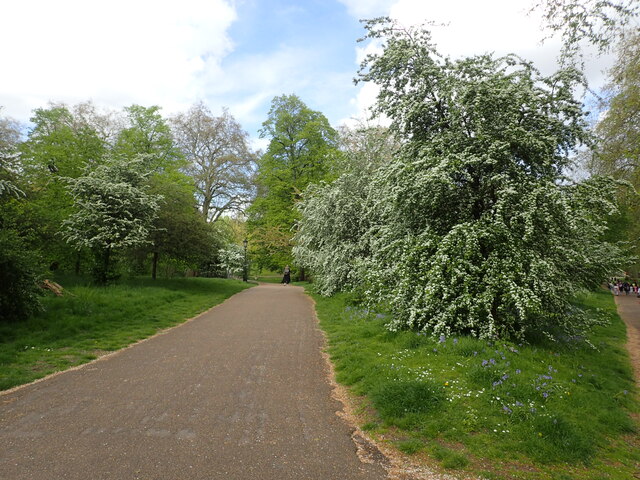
(397, 465)
(106, 356)
(633, 338)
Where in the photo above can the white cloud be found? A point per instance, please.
(115, 53)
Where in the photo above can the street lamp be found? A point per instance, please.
(244, 270)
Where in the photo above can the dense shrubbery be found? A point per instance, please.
(19, 291)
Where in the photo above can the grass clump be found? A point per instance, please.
(449, 458)
(88, 321)
(397, 399)
(410, 447)
(538, 411)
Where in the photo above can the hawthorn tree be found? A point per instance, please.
(333, 215)
(473, 228)
(113, 211)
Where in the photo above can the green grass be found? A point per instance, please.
(88, 321)
(545, 411)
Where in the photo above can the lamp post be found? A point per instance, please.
(244, 269)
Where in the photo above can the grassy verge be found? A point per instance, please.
(499, 411)
(90, 321)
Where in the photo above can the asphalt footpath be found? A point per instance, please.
(629, 310)
(240, 392)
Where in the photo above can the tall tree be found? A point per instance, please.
(619, 127)
(63, 142)
(473, 227)
(618, 132)
(219, 160)
(19, 266)
(303, 148)
(147, 132)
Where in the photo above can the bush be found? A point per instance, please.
(19, 291)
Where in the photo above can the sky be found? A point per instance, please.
(237, 54)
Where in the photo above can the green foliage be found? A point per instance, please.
(77, 145)
(19, 274)
(63, 142)
(501, 404)
(302, 150)
(88, 321)
(618, 131)
(19, 267)
(147, 133)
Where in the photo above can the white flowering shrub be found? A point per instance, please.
(330, 232)
(472, 228)
(232, 259)
(329, 238)
(113, 211)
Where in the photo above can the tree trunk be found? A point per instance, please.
(77, 265)
(105, 265)
(154, 265)
(301, 275)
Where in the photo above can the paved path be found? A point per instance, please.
(629, 311)
(241, 392)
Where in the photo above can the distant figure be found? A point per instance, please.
(287, 275)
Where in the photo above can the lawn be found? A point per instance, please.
(497, 410)
(89, 321)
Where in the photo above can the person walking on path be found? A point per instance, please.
(286, 279)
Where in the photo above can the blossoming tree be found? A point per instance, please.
(473, 228)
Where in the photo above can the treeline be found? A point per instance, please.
(112, 193)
